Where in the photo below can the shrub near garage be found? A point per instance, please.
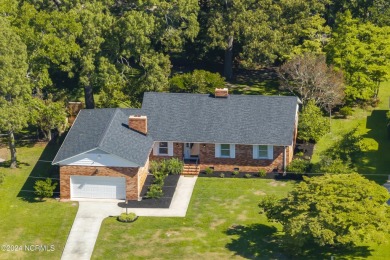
(44, 189)
(130, 217)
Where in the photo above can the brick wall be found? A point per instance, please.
(243, 159)
(177, 153)
(130, 174)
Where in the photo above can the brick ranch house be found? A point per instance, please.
(107, 151)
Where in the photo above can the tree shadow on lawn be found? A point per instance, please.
(373, 161)
(258, 241)
(256, 82)
(42, 170)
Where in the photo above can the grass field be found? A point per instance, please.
(371, 123)
(222, 222)
(25, 221)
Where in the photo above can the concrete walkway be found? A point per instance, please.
(86, 226)
(179, 204)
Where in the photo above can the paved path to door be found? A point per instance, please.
(86, 226)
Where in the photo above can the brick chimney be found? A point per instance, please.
(139, 123)
(221, 93)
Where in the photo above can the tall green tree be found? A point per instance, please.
(15, 90)
(263, 30)
(362, 52)
(312, 124)
(48, 115)
(341, 210)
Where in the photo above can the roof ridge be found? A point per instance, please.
(107, 127)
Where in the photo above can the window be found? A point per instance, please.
(263, 151)
(225, 150)
(163, 148)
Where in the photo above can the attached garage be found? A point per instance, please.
(97, 187)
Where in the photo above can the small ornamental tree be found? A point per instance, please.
(332, 210)
(44, 188)
(198, 81)
(312, 125)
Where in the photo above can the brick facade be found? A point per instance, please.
(131, 175)
(178, 151)
(243, 158)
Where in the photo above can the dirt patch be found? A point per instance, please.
(217, 223)
(4, 154)
(277, 183)
(242, 216)
(259, 193)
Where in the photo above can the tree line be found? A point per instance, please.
(111, 51)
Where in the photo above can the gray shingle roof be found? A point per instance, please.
(107, 130)
(240, 119)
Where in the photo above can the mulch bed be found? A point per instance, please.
(230, 175)
(169, 188)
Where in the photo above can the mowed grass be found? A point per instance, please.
(25, 221)
(374, 162)
(222, 221)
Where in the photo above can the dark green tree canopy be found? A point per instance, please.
(334, 210)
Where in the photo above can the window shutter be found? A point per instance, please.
(155, 148)
(270, 152)
(232, 151)
(217, 150)
(170, 148)
(255, 152)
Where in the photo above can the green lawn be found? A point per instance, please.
(24, 221)
(222, 222)
(371, 123)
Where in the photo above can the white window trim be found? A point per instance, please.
(270, 152)
(156, 149)
(232, 151)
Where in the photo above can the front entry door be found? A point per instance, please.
(187, 150)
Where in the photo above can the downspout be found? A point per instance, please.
(284, 161)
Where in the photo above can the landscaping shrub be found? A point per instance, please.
(198, 81)
(235, 173)
(131, 217)
(298, 166)
(154, 166)
(159, 179)
(329, 165)
(174, 166)
(208, 170)
(262, 173)
(154, 192)
(346, 112)
(222, 175)
(247, 175)
(44, 189)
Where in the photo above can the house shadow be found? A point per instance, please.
(41, 170)
(375, 161)
(258, 241)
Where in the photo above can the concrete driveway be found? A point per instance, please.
(86, 226)
(89, 217)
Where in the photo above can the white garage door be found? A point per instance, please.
(95, 187)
